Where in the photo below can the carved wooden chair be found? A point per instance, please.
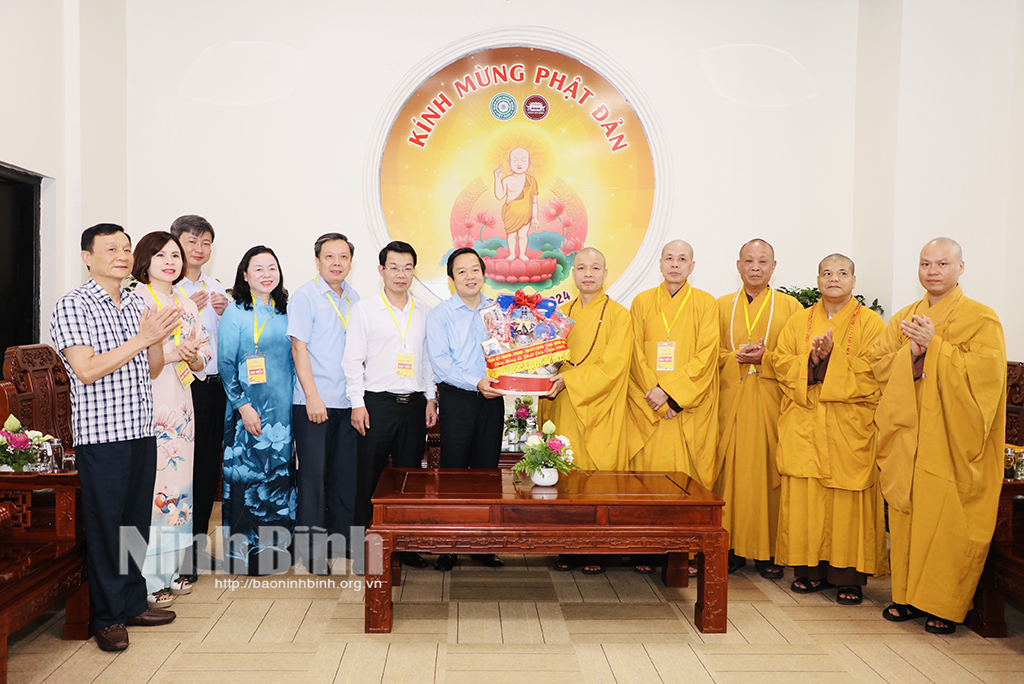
(1014, 403)
(42, 547)
(42, 391)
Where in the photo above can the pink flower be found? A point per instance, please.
(522, 412)
(168, 421)
(468, 225)
(460, 241)
(571, 245)
(19, 440)
(486, 218)
(554, 209)
(5, 434)
(555, 445)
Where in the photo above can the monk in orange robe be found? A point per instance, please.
(831, 524)
(587, 402)
(750, 399)
(942, 426)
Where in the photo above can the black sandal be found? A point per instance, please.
(903, 612)
(769, 570)
(593, 569)
(809, 586)
(856, 592)
(566, 563)
(947, 627)
(735, 563)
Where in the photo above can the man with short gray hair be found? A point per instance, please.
(321, 413)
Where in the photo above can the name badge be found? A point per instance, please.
(666, 356)
(184, 373)
(404, 367)
(256, 368)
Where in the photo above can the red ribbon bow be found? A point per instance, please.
(523, 299)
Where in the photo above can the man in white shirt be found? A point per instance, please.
(196, 236)
(389, 379)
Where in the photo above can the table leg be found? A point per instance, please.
(76, 614)
(713, 584)
(378, 582)
(396, 569)
(676, 572)
(987, 616)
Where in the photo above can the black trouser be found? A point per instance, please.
(326, 478)
(471, 428)
(117, 491)
(209, 401)
(398, 427)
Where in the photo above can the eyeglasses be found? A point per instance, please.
(394, 269)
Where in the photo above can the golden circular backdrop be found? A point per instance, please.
(526, 155)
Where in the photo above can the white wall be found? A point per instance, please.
(862, 127)
(32, 120)
(284, 171)
(953, 152)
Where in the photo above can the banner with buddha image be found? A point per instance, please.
(525, 154)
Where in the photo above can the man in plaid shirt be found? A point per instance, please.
(102, 331)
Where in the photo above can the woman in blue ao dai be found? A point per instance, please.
(255, 361)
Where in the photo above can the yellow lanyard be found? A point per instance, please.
(344, 321)
(664, 318)
(412, 305)
(257, 331)
(160, 307)
(746, 312)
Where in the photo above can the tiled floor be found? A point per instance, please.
(524, 623)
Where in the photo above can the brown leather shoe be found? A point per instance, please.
(113, 638)
(152, 618)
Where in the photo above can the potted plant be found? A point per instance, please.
(809, 295)
(518, 422)
(18, 446)
(545, 455)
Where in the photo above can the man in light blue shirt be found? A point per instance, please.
(472, 412)
(321, 412)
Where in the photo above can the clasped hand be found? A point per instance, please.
(752, 353)
(920, 330)
(189, 348)
(821, 347)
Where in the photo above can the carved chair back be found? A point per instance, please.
(1015, 403)
(41, 390)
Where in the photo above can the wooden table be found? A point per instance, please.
(490, 511)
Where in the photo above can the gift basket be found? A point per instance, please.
(526, 342)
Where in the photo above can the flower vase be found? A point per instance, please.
(544, 477)
(4, 468)
(513, 440)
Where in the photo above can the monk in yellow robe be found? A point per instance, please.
(831, 522)
(519, 209)
(672, 424)
(750, 322)
(942, 425)
(587, 403)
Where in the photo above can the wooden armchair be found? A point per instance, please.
(41, 391)
(42, 543)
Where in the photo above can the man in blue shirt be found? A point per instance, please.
(473, 412)
(321, 413)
